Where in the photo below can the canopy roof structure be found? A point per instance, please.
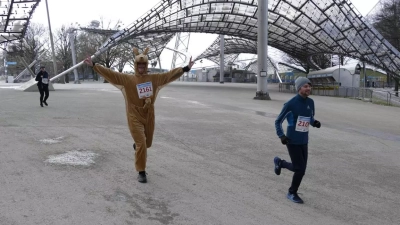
(232, 45)
(235, 45)
(228, 58)
(300, 28)
(155, 41)
(14, 18)
(272, 66)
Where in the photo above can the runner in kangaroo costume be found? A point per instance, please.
(140, 92)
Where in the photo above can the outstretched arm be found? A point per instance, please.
(174, 74)
(111, 76)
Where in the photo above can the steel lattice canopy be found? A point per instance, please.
(235, 45)
(300, 28)
(228, 58)
(271, 69)
(278, 67)
(156, 41)
(232, 45)
(107, 32)
(15, 16)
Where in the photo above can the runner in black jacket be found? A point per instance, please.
(43, 80)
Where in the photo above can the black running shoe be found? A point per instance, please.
(294, 197)
(278, 165)
(45, 103)
(142, 177)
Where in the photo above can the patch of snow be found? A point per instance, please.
(74, 158)
(52, 140)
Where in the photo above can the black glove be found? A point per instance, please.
(317, 124)
(186, 69)
(285, 140)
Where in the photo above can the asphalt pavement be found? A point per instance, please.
(211, 161)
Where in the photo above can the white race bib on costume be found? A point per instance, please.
(302, 124)
(145, 90)
(45, 80)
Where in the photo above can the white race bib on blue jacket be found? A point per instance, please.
(302, 124)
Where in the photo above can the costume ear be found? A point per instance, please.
(146, 51)
(135, 51)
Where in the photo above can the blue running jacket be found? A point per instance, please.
(299, 113)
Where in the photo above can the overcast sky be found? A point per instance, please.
(84, 11)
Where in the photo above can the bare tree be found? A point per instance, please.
(2, 59)
(387, 22)
(340, 59)
(296, 61)
(126, 56)
(89, 42)
(112, 56)
(86, 45)
(109, 57)
(63, 49)
(323, 61)
(131, 57)
(35, 41)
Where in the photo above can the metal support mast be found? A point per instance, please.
(72, 35)
(52, 43)
(221, 60)
(181, 44)
(262, 79)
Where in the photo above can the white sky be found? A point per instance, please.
(84, 11)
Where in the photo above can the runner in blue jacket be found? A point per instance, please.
(299, 112)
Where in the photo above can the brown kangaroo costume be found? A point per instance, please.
(140, 93)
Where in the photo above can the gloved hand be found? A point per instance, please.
(317, 124)
(285, 140)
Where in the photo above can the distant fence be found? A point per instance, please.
(379, 96)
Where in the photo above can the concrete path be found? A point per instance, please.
(211, 160)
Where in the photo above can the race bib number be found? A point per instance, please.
(45, 80)
(145, 90)
(302, 124)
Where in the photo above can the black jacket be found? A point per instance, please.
(39, 76)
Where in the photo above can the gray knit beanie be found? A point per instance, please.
(299, 82)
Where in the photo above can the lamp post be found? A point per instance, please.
(51, 41)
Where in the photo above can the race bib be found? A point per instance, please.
(45, 80)
(145, 90)
(302, 124)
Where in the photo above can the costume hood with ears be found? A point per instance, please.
(142, 58)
